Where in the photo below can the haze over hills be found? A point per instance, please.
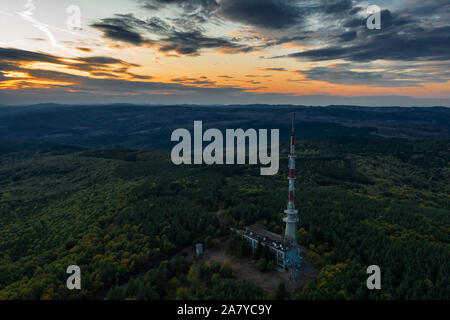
(205, 98)
(149, 127)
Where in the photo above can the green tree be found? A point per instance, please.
(262, 265)
(281, 293)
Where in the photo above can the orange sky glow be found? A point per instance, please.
(41, 52)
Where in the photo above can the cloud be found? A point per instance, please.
(120, 33)
(273, 69)
(12, 54)
(258, 76)
(432, 44)
(339, 6)
(427, 8)
(253, 82)
(14, 59)
(410, 31)
(170, 39)
(341, 74)
(83, 49)
(190, 43)
(270, 14)
(101, 60)
(193, 12)
(284, 21)
(201, 81)
(399, 75)
(110, 69)
(117, 86)
(187, 5)
(287, 39)
(348, 36)
(58, 86)
(355, 10)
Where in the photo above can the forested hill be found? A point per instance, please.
(121, 215)
(149, 127)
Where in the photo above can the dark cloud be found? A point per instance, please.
(354, 23)
(286, 39)
(119, 33)
(193, 12)
(8, 66)
(96, 65)
(284, 14)
(427, 8)
(170, 38)
(105, 74)
(355, 10)
(342, 75)
(188, 5)
(184, 32)
(101, 64)
(273, 69)
(201, 81)
(401, 37)
(280, 18)
(339, 6)
(398, 75)
(348, 36)
(84, 49)
(101, 60)
(136, 76)
(122, 27)
(258, 76)
(190, 43)
(433, 44)
(270, 14)
(12, 54)
(157, 26)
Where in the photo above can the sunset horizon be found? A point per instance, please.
(224, 52)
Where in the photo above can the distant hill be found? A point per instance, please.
(149, 127)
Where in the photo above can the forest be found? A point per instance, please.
(123, 214)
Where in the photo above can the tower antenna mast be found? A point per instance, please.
(291, 218)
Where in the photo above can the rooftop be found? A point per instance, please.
(258, 229)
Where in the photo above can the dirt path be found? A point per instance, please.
(245, 269)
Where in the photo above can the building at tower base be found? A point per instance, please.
(284, 253)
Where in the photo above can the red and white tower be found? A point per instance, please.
(291, 218)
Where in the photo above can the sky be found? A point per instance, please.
(308, 52)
